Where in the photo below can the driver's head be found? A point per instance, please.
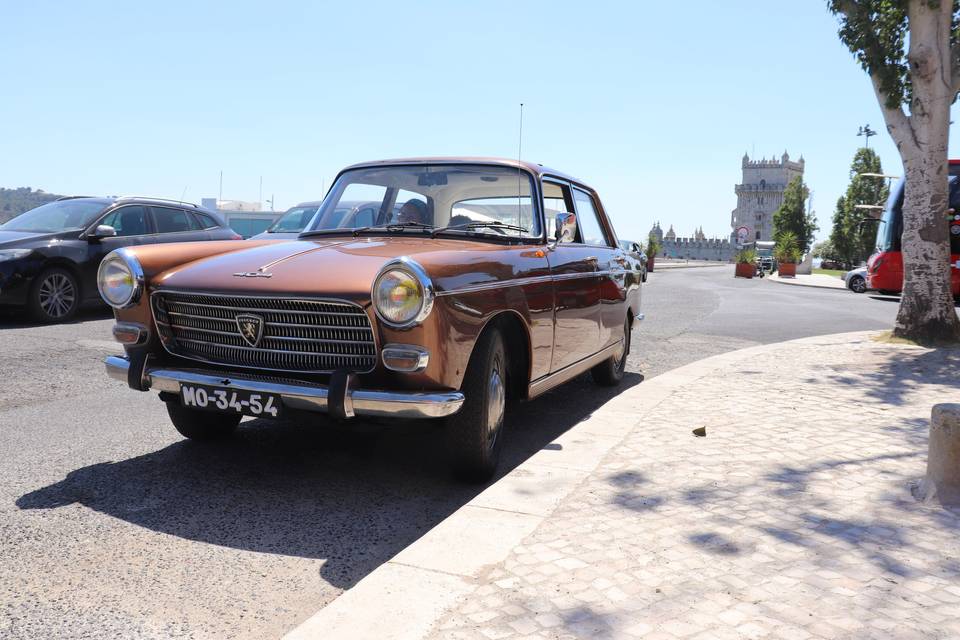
(413, 210)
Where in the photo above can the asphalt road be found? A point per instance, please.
(112, 526)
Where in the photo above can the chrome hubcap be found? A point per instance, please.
(496, 405)
(57, 295)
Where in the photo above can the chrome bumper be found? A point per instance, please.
(390, 404)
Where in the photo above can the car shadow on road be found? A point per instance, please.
(354, 498)
(19, 319)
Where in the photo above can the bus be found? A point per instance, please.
(885, 267)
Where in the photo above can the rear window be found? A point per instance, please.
(207, 222)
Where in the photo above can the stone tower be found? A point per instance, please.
(760, 194)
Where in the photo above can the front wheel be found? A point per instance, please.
(609, 373)
(201, 425)
(858, 284)
(54, 296)
(475, 433)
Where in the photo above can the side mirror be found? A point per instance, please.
(565, 228)
(102, 231)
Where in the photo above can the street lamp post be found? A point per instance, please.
(866, 132)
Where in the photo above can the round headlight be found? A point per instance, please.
(402, 294)
(120, 279)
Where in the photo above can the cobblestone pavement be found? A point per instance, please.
(792, 518)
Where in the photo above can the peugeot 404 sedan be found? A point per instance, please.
(476, 282)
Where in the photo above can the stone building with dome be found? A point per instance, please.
(694, 247)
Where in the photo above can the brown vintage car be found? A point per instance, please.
(479, 281)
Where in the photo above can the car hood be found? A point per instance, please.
(337, 267)
(15, 239)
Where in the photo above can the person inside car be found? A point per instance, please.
(414, 210)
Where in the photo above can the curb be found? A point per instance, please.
(403, 598)
(668, 266)
(801, 284)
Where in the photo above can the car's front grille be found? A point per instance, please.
(297, 334)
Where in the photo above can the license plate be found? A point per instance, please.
(248, 403)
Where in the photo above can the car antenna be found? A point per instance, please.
(519, 170)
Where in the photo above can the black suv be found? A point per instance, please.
(49, 255)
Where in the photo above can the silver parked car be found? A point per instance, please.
(291, 223)
(633, 248)
(856, 280)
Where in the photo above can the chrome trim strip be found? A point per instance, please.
(551, 380)
(522, 282)
(389, 404)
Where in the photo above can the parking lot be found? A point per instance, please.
(112, 525)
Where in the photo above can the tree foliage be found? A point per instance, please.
(911, 51)
(853, 234)
(792, 216)
(13, 202)
(824, 250)
(653, 245)
(877, 32)
(787, 248)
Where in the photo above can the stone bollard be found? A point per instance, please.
(942, 482)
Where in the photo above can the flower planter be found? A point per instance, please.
(650, 262)
(745, 270)
(787, 270)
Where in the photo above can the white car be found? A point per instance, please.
(856, 280)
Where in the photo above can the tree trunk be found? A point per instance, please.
(926, 313)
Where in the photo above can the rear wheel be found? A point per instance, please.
(475, 433)
(54, 296)
(201, 425)
(858, 284)
(609, 373)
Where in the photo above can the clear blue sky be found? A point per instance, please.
(653, 103)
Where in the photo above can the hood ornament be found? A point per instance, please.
(251, 328)
(253, 274)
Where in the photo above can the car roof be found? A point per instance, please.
(538, 170)
(310, 203)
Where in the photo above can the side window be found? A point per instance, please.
(556, 199)
(128, 221)
(591, 230)
(173, 220)
(205, 221)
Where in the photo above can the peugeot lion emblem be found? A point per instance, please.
(251, 328)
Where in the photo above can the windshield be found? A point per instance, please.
(456, 199)
(294, 220)
(62, 215)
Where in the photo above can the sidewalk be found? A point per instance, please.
(792, 518)
(813, 280)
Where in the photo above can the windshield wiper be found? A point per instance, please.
(479, 224)
(393, 226)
